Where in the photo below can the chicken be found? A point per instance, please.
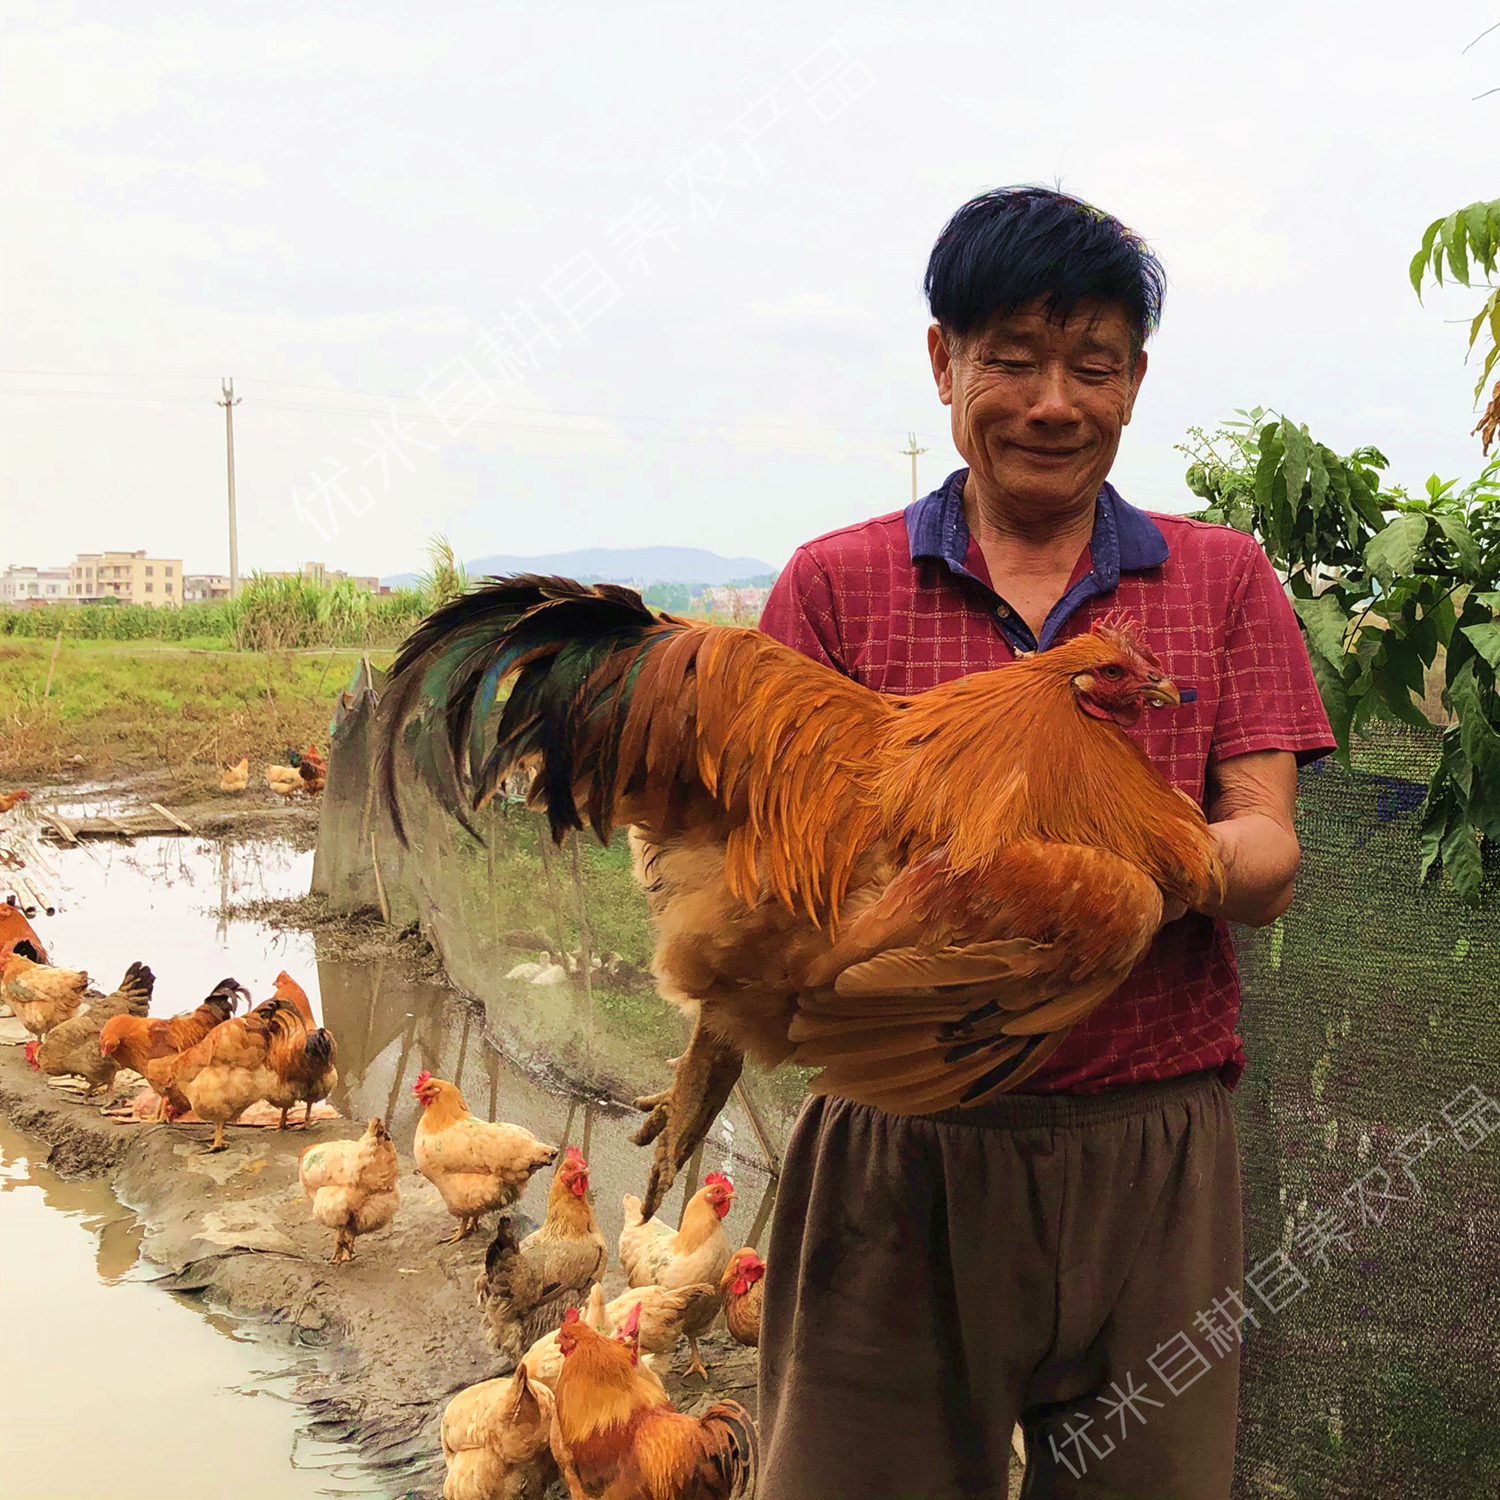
(352, 1185)
(653, 1254)
(39, 997)
(313, 770)
(230, 1069)
(305, 1065)
(9, 800)
(75, 1045)
(617, 1436)
(497, 1441)
(19, 936)
(476, 1166)
(524, 1289)
(235, 778)
(137, 1042)
(529, 971)
(661, 1318)
(741, 1288)
(543, 1362)
(920, 895)
(285, 781)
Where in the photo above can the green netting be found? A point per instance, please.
(1367, 1009)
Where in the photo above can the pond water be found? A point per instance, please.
(88, 1326)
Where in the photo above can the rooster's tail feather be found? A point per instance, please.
(735, 1452)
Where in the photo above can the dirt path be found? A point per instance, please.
(236, 1227)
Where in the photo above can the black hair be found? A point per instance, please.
(1012, 245)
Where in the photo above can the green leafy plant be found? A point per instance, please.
(1467, 242)
(1383, 583)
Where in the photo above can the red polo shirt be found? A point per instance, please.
(903, 602)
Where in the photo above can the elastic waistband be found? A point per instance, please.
(1059, 1111)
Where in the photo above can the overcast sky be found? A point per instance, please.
(341, 205)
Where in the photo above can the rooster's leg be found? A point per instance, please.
(284, 1113)
(682, 1115)
(695, 1365)
(307, 1115)
(218, 1140)
(467, 1223)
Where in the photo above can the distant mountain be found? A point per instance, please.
(618, 565)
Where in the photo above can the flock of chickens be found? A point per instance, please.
(304, 771)
(585, 1401)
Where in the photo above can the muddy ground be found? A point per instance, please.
(398, 1325)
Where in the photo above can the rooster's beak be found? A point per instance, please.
(1160, 691)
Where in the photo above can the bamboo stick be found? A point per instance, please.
(52, 666)
(171, 817)
(385, 910)
(773, 1163)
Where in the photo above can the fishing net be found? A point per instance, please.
(1371, 1305)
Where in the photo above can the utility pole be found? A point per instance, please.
(911, 451)
(229, 403)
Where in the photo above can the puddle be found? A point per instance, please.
(115, 1387)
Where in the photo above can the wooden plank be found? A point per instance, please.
(116, 823)
(67, 834)
(171, 817)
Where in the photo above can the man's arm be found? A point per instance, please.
(1252, 803)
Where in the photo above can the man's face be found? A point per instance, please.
(1038, 406)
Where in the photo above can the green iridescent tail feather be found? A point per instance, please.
(571, 655)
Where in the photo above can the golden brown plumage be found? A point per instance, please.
(18, 935)
(75, 1045)
(352, 1185)
(230, 1069)
(524, 1289)
(305, 1064)
(136, 1041)
(618, 1436)
(475, 1165)
(742, 1288)
(920, 895)
(39, 997)
(497, 1441)
(235, 778)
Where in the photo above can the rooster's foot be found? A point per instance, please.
(680, 1117)
(695, 1365)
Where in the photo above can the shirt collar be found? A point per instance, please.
(1125, 540)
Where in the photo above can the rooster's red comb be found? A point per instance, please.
(573, 1154)
(630, 1324)
(571, 1316)
(424, 1077)
(718, 1179)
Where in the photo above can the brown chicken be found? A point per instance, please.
(39, 997)
(8, 800)
(741, 1288)
(660, 1321)
(524, 1288)
(75, 1045)
(352, 1185)
(922, 895)
(137, 1042)
(617, 1436)
(313, 770)
(497, 1441)
(306, 1065)
(18, 935)
(654, 1254)
(475, 1165)
(231, 1068)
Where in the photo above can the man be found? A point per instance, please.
(1068, 1256)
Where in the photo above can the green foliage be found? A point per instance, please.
(1467, 242)
(1381, 582)
(284, 614)
(110, 620)
(675, 598)
(445, 578)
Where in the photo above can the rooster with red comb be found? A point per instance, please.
(524, 1289)
(475, 1165)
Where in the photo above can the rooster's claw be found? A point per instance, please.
(680, 1117)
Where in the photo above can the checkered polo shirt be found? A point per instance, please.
(904, 602)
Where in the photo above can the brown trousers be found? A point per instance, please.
(1072, 1264)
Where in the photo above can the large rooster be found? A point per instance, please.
(922, 895)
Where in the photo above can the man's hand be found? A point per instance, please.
(1251, 814)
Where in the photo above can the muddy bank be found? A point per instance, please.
(398, 1325)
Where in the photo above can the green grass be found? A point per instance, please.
(166, 705)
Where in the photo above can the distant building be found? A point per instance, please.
(316, 572)
(204, 588)
(20, 584)
(130, 577)
(742, 603)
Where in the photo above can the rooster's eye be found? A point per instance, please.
(1111, 671)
